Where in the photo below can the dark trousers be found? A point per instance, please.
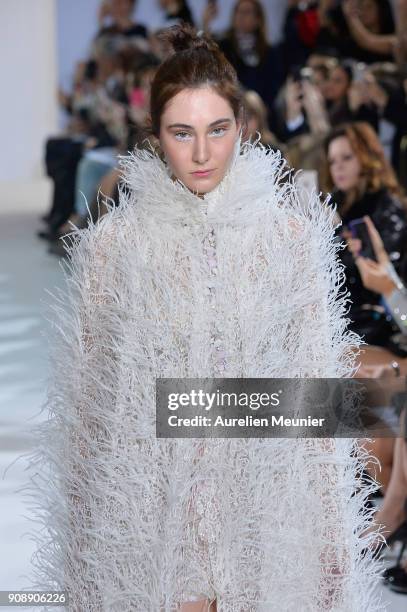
(62, 156)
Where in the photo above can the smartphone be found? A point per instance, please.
(306, 74)
(359, 71)
(359, 230)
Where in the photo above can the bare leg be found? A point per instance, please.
(392, 514)
(383, 450)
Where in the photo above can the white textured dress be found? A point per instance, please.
(242, 283)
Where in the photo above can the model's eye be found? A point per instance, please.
(181, 135)
(219, 131)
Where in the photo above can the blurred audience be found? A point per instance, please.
(176, 11)
(116, 20)
(301, 29)
(346, 25)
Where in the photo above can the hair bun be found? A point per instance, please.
(183, 37)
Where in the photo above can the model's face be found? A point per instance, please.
(344, 165)
(198, 132)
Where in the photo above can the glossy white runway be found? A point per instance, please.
(26, 271)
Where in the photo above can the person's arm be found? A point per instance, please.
(377, 43)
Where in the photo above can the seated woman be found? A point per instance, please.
(362, 183)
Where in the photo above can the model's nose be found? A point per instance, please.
(201, 151)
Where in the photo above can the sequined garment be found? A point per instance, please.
(244, 282)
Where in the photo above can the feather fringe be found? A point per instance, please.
(134, 523)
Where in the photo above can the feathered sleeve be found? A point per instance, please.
(71, 463)
(326, 348)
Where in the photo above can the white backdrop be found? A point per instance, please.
(29, 82)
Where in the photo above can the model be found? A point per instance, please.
(211, 266)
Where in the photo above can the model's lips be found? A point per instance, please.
(202, 173)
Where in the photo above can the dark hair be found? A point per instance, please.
(347, 67)
(196, 61)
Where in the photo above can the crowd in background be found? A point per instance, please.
(338, 62)
(331, 96)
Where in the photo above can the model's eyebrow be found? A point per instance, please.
(190, 127)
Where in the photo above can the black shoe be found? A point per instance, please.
(398, 582)
(391, 573)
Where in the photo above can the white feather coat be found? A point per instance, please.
(135, 523)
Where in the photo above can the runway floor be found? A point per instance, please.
(26, 272)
